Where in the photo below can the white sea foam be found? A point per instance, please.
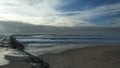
(38, 49)
(8, 51)
(3, 52)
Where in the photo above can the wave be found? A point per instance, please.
(52, 43)
(42, 44)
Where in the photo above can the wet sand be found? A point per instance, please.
(90, 57)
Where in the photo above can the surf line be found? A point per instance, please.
(35, 61)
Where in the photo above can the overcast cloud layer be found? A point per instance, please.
(6, 28)
(62, 12)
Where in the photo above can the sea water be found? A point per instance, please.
(51, 43)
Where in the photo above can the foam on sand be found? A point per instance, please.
(3, 52)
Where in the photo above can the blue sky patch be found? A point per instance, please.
(62, 12)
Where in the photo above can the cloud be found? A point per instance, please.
(45, 12)
(7, 28)
(113, 22)
(100, 11)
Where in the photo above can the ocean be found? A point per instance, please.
(54, 43)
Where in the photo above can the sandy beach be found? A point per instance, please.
(90, 57)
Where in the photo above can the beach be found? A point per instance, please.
(90, 57)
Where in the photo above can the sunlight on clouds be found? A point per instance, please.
(52, 20)
(2, 9)
(43, 12)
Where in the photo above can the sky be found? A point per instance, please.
(6, 28)
(62, 12)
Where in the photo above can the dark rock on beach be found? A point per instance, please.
(91, 57)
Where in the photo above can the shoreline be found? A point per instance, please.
(89, 57)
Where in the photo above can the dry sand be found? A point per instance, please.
(91, 57)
